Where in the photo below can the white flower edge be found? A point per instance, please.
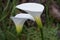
(23, 16)
(35, 7)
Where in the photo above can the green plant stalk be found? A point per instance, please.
(41, 30)
(13, 7)
(0, 7)
(47, 12)
(39, 23)
(4, 11)
(49, 19)
(6, 6)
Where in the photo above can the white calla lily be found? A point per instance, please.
(19, 20)
(35, 9)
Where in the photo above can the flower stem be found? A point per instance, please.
(41, 31)
(39, 23)
(19, 36)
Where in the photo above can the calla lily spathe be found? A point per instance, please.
(19, 20)
(35, 9)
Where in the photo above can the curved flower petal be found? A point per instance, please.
(31, 7)
(24, 16)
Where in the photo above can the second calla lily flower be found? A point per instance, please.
(19, 20)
